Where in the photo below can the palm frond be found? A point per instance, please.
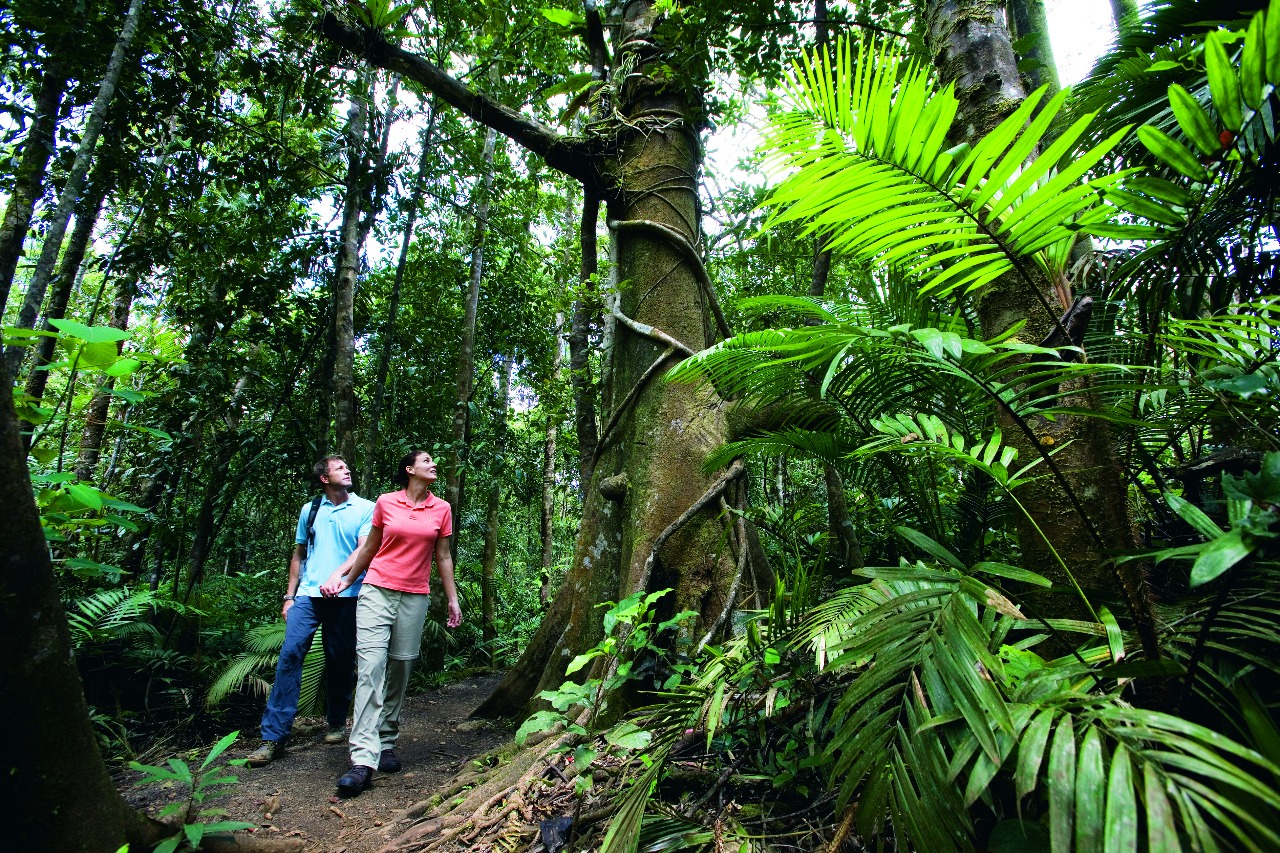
(871, 168)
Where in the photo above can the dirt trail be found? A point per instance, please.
(436, 740)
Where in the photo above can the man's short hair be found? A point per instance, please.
(321, 468)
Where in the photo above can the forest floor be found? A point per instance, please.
(295, 795)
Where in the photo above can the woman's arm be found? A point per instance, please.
(355, 565)
(444, 559)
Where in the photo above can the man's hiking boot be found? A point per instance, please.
(388, 762)
(354, 780)
(336, 734)
(266, 753)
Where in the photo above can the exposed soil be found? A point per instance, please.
(295, 795)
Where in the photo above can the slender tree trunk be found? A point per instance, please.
(95, 419)
(489, 559)
(1124, 13)
(74, 184)
(28, 180)
(69, 272)
(584, 392)
(346, 270)
(388, 333)
(1082, 512)
(455, 483)
(546, 525)
(1027, 21)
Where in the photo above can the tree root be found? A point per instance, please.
(627, 401)
(714, 491)
(682, 244)
(647, 331)
(502, 793)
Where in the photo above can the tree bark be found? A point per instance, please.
(388, 332)
(28, 180)
(347, 268)
(1082, 509)
(1027, 21)
(489, 558)
(74, 184)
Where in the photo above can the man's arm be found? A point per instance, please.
(444, 559)
(355, 565)
(295, 562)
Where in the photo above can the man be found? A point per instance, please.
(340, 522)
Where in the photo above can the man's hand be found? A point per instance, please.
(455, 615)
(284, 611)
(336, 583)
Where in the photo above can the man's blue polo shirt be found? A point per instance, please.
(337, 532)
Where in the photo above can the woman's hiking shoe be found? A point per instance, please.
(354, 780)
(388, 762)
(337, 734)
(265, 754)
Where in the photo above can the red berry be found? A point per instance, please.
(1226, 138)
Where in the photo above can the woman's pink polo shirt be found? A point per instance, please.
(409, 535)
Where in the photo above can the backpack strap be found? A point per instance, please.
(311, 525)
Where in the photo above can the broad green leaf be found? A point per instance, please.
(123, 367)
(1221, 554)
(1271, 31)
(1122, 807)
(1062, 785)
(563, 17)
(1252, 63)
(930, 547)
(1193, 515)
(99, 354)
(573, 83)
(1090, 794)
(629, 736)
(1172, 153)
(86, 495)
(1013, 573)
(219, 748)
(1194, 121)
(1224, 86)
(89, 334)
(540, 721)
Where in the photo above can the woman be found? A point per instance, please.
(409, 526)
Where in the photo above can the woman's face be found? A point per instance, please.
(423, 468)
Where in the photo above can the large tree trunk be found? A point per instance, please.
(546, 519)
(1081, 508)
(489, 557)
(650, 520)
(52, 769)
(346, 270)
(74, 184)
(28, 180)
(632, 534)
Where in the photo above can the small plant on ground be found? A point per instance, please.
(208, 781)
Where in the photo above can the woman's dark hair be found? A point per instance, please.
(401, 477)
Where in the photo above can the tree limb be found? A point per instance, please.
(573, 157)
(645, 330)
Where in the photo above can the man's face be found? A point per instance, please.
(339, 474)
